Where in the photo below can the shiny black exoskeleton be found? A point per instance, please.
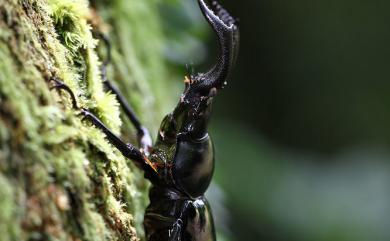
(181, 163)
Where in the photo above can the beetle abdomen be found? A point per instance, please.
(167, 206)
(193, 166)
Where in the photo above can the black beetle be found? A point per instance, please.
(181, 163)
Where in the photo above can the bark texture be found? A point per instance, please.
(59, 178)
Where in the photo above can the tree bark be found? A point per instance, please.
(59, 178)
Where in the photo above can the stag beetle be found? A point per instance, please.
(181, 163)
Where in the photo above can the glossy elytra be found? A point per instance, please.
(180, 164)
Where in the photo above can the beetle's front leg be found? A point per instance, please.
(127, 149)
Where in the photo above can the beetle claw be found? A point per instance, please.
(59, 85)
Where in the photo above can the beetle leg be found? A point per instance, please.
(143, 136)
(59, 85)
(128, 150)
(175, 232)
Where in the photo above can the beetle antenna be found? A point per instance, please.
(190, 70)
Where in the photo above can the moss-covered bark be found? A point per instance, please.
(59, 178)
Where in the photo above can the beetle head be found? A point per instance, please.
(191, 116)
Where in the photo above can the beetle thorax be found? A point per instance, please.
(193, 166)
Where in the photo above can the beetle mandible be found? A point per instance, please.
(180, 164)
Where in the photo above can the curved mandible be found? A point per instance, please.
(226, 29)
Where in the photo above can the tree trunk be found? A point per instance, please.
(59, 178)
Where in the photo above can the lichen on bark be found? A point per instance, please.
(59, 178)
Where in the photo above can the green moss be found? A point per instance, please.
(59, 178)
(8, 229)
(70, 20)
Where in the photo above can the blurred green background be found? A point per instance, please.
(302, 130)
